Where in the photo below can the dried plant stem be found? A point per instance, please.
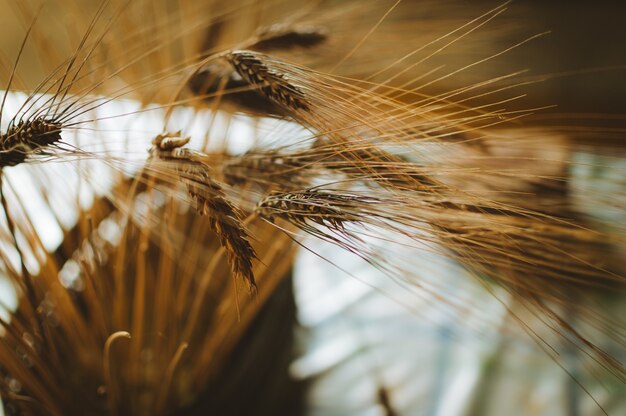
(26, 277)
(169, 376)
(106, 362)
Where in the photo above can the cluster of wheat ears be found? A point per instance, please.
(171, 264)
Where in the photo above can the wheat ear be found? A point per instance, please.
(25, 138)
(252, 67)
(225, 219)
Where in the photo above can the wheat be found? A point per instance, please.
(27, 138)
(270, 170)
(229, 86)
(149, 341)
(225, 218)
(331, 210)
(369, 149)
(252, 68)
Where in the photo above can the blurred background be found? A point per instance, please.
(582, 57)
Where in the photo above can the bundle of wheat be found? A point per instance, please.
(353, 146)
